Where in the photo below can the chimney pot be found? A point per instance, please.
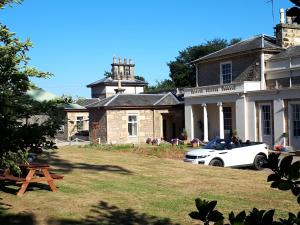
(125, 61)
(282, 16)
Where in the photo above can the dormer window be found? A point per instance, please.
(225, 72)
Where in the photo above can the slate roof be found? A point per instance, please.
(287, 53)
(254, 43)
(87, 102)
(109, 81)
(137, 100)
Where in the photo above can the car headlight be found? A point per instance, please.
(202, 156)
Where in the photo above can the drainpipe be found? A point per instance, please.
(196, 75)
(262, 66)
(153, 123)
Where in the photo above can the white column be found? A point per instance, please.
(221, 120)
(205, 123)
(279, 122)
(189, 121)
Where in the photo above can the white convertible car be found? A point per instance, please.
(224, 153)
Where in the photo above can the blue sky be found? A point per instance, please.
(76, 40)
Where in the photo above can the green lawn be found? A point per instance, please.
(115, 186)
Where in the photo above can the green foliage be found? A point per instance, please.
(107, 74)
(25, 124)
(182, 73)
(160, 86)
(285, 177)
(139, 78)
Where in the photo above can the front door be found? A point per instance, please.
(265, 125)
(295, 126)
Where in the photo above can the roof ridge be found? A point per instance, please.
(112, 99)
(166, 95)
(233, 45)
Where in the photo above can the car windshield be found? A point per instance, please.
(216, 144)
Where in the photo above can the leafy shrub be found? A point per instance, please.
(285, 177)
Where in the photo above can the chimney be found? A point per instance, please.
(114, 60)
(125, 61)
(287, 32)
(119, 90)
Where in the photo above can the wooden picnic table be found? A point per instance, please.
(36, 173)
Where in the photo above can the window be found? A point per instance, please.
(132, 125)
(79, 123)
(226, 73)
(266, 119)
(227, 118)
(296, 120)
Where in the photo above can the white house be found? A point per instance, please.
(252, 87)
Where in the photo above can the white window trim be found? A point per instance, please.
(290, 116)
(261, 135)
(221, 74)
(137, 127)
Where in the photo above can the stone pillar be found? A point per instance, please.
(205, 123)
(189, 121)
(221, 120)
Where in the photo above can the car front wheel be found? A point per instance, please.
(216, 162)
(259, 162)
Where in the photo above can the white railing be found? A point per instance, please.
(222, 88)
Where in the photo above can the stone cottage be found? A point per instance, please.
(120, 111)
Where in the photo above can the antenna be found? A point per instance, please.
(272, 2)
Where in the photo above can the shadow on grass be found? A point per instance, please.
(14, 219)
(13, 188)
(65, 166)
(112, 215)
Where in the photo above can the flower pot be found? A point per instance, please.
(195, 145)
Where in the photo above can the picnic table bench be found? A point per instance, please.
(36, 173)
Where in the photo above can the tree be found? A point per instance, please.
(160, 86)
(139, 78)
(285, 177)
(108, 74)
(25, 124)
(182, 73)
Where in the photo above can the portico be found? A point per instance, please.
(208, 120)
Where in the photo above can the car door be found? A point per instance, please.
(239, 155)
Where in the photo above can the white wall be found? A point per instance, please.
(110, 90)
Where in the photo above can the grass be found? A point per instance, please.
(131, 185)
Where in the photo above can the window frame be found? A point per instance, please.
(221, 72)
(295, 131)
(79, 121)
(132, 123)
(266, 120)
(227, 120)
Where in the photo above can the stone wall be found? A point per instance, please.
(288, 34)
(70, 125)
(209, 72)
(149, 124)
(98, 125)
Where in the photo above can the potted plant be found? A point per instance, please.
(175, 141)
(155, 141)
(195, 143)
(148, 140)
(184, 134)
